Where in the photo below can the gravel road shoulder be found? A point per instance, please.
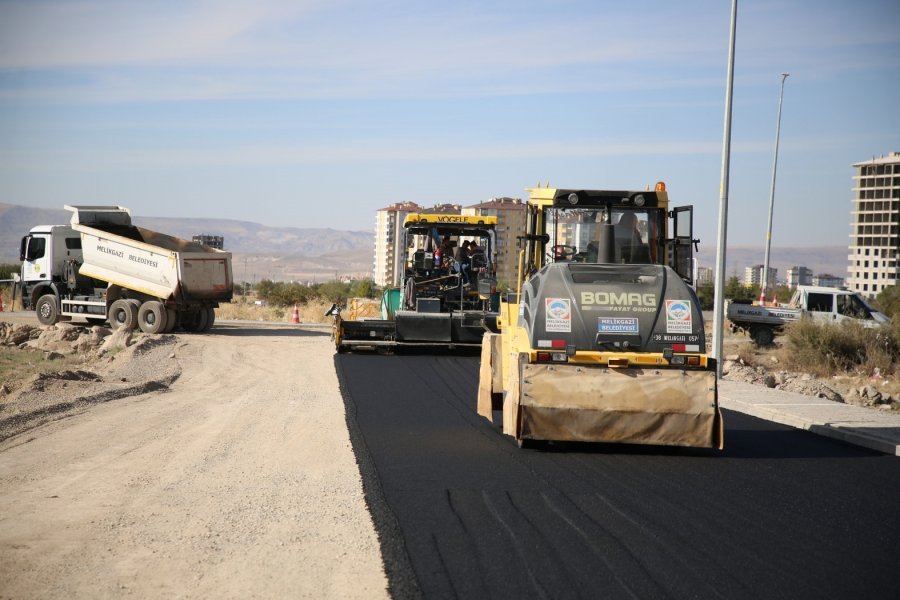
(235, 479)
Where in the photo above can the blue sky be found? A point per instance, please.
(316, 114)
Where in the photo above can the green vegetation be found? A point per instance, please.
(888, 301)
(706, 295)
(277, 293)
(17, 365)
(826, 349)
(735, 290)
(6, 271)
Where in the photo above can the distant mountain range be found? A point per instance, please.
(316, 254)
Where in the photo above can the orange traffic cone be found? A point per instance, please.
(296, 317)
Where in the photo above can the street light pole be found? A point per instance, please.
(765, 278)
(719, 292)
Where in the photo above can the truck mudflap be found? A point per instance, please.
(671, 407)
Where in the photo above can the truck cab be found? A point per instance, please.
(44, 252)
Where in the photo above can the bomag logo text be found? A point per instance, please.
(632, 299)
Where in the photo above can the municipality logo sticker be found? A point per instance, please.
(557, 314)
(678, 316)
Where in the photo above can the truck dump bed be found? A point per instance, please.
(741, 312)
(160, 265)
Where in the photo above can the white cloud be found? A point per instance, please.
(209, 49)
(58, 34)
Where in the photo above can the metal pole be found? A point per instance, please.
(765, 279)
(719, 308)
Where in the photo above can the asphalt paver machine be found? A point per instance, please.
(446, 297)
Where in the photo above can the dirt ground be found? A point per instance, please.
(231, 477)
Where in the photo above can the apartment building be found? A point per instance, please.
(705, 276)
(388, 241)
(510, 213)
(754, 275)
(875, 222)
(388, 225)
(798, 275)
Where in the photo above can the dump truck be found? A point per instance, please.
(832, 305)
(444, 299)
(602, 340)
(101, 267)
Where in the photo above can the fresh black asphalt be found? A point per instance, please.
(462, 512)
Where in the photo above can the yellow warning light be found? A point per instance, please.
(660, 186)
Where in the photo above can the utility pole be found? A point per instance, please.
(765, 279)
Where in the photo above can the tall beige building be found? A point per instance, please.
(510, 213)
(389, 241)
(388, 225)
(875, 234)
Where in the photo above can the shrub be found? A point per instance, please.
(888, 301)
(281, 294)
(828, 348)
(7, 270)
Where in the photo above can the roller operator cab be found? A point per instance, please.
(603, 339)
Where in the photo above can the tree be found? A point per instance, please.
(733, 288)
(706, 296)
(364, 288)
(783, 293)
(888, 301)
(264, 289)
(6, 271)
(333, 291)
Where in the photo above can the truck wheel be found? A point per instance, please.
(210, 318)
(202, 320)
(190, 320)
(47, 309)
(152, 317)
(171, 320)
(763, 336)
(123, 314)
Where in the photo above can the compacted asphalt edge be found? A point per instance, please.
(402, 581)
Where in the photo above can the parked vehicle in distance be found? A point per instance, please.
(103, 268)
(831, 305)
